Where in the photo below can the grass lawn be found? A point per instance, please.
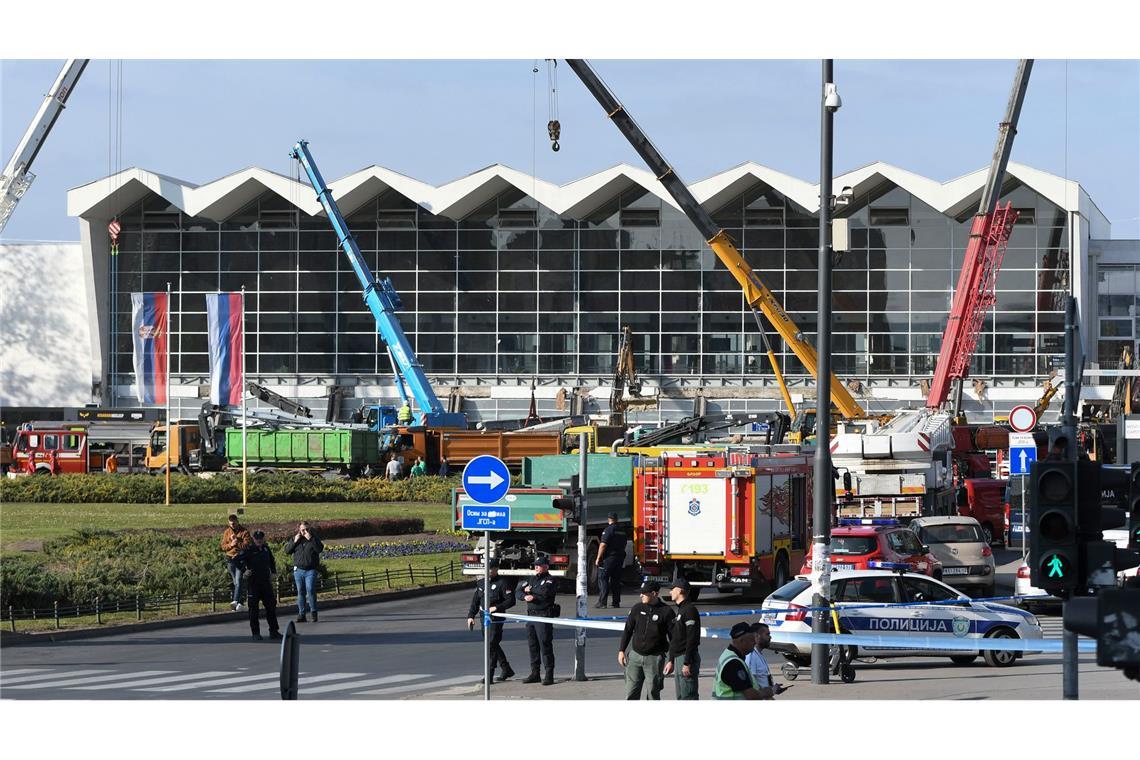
(30, 521)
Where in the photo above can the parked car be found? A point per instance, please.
(868, 602)
(858, 541)
(961, 545)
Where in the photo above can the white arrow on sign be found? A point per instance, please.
(493, 480)
(1024, 457)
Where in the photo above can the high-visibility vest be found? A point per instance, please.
(721, 690)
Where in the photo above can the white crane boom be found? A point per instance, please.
(17, 177)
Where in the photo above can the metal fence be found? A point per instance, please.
(338, 583)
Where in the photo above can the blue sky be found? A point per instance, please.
(439, 120)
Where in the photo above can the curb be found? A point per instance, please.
(9, 639)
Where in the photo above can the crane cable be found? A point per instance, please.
(553, 127)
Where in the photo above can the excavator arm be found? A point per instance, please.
(759, 298)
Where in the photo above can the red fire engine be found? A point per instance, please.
(729, 521)
(54, 452)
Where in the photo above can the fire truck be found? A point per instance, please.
(55, 451)
(733, 520)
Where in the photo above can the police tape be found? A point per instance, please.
(933, 643)
(845, 606)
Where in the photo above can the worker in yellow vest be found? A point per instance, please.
(404, 415)
(733, 680)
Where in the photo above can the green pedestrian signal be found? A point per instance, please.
(1055, 568)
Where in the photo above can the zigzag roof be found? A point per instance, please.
(223, 197)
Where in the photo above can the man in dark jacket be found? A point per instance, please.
(306, 549)
(611, 558)
(501, 598)
(260, 571)
(647, 628)
(538, 593)
(684, 657)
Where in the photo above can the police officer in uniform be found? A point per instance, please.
(684, 655)
(733, 680)
(538, 593)
(611, 557)
(647, 628)
(501, 598)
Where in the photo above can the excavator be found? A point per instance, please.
(764, 305)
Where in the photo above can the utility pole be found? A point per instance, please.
(583, 561)
(823, 489)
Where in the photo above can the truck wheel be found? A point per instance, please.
(783, 575)
(988, 534)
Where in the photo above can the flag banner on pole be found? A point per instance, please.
(149, 327)
(227, 342)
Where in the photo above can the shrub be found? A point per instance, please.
(25, 582)
(393, 549)
(224, 488)
(344, 528)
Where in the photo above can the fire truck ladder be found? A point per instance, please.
(652, 524)
(981, 300)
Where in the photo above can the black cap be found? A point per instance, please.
(232, 518)
(682, 584)
(612, 515)
(259, 533)
(650, 587)
(542, 560)
(739, 630)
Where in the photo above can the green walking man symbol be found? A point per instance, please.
(1056, 568)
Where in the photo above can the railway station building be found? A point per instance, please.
(513, 286)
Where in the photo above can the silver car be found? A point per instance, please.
(958, 542)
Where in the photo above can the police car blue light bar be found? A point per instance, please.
(869, 521)
(877, 565)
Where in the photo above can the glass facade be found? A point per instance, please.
(514, 289)
(1118, 313)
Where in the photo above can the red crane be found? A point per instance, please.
(989, 236)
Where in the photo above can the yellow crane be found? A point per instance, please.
(760, 299)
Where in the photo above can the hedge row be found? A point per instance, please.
(223, 488)
(326, 529)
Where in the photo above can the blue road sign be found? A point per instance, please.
(482, 517)
(486, 479)
(1020, 459)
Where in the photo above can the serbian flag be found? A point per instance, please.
(224, 321)
(149, 321)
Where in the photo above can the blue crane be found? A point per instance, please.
(383, 301)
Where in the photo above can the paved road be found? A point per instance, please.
(420, 648)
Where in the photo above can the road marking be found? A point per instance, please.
(361, 684)
(48, 676)
(155, 681)
(458, 680)
(215, 682)
(300, 682)
(89, 679)
(10, 673)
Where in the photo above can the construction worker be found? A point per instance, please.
(111, 463)
(733, 681)
(611, 558)
(501, 598)
(538, 593)
(404, 414)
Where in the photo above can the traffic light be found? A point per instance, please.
(1133, 506)
(1054, 551)
(1103, 491)
(571, 502)
(1111, 617)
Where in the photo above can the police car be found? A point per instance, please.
(874, 596)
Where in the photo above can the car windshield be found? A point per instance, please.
(952, 533)
(853, 544)
(790, 590)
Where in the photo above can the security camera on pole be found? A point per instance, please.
(823, 492)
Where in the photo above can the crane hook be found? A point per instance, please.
(554, 129)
